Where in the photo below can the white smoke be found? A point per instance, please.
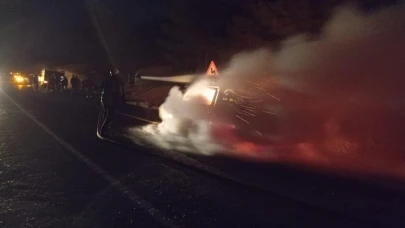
(182, 127)
(357, 56)
(357, 60)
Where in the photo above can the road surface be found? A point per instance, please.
(55, 172)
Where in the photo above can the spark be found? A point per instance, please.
(257, 101)
(267, 93)
(247, 97)
(257, 87)
(243, 119)
(253, 83)
(243, 112)
(272, 113)
(252, 109)
(273, 97)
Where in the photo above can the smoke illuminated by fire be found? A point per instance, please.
(338, 99)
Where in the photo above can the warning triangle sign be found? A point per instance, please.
(212, 69)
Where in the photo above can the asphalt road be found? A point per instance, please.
(55, 172)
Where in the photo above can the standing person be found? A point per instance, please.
(132, 79)
(75, 84)
(84, 86)
(64, 84)
(51, 83)
(58, 81)
(72, 83)
(55, 83)
(112, 96)
(35, 82)
(88, 87)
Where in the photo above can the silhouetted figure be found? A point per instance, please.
(112, 96)
(64, 84)
(51, 83)
(35, 82)
(87, 87)
(58, 83)
(72, 83)
(75, 81)
(134, 78)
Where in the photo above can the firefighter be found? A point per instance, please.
(112, 96)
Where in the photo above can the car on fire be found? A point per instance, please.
(255, 109)
(249, 110)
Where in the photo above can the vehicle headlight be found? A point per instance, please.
(19, 79)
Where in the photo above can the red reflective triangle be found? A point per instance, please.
(212, 69)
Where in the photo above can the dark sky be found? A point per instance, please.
(57, 32)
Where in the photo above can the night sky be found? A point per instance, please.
(57, 32)
(36, 33)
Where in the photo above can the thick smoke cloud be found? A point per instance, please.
(352, 78)
(356, 57)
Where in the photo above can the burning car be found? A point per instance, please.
(249, 110)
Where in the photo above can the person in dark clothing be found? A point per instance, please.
(87, 87)
(58, 83)
(35, 82)
(112, 96)
(64, 84)
(73, 83)
(76, 84)
(51, 83)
